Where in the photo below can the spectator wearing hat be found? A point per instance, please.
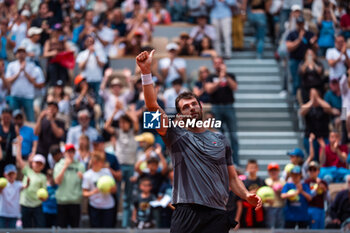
(185, 45)
(49, 129)
(54, 46)
(298, 41)
(286, 10)
(274, 210)
(296, 209)
(18, 28)
(172, 67)
(8, 134)
(296, 157)
(21, 73)
(84, 127)
(201, 30)
(319, 189)
(31, 208)
(10, 209)
(171, 94)
(91, 62)
(340, 207)
(83, 98)
(114, 97)
(158, 15)
(30, 140)
(338, 58)
(7, 41)
(221, 18)
(32, 45)
(68, 174)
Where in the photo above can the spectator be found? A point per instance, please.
(333, 98)
(274, 210)
(105, 36)
(196, 9)
(345, 96)
(18, 28)
(345, 23)
(91, 62)
(171, 94)
(45, 21)
(203, 29)
(252, 218)
(206, 48)
(286, 10)
(172, 67)
(118, 22)
(83, 99)
(296, 209)
(221, 18)
(340, 207)
(7, 41)
(185, 45)
(298, 41)
(31, 205)
(20, 73)
(85, 29)
(327, 23)
(338, 58)
(50, 205)
(83, 154)
(59, 95)
(30, 140)
(126, 148)
(4, 86)
(10, 209)
(101, 205)
(75, 132)
(68, 174)
(142, 214)
(238, 18)
(199, 86)
(54, 156)
(257, 18)
(134, 42)
(220, 87)
(319, 190)
(32, 45)
(158, 15)
(310, 72)
(130, 5)
(7, 134)
(177, 9)
(49, 129)
(99, 7)
(53, 47)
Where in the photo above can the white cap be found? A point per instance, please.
(296, 7)
(172, 46)
(39, 158)
(26, 13)
(34, 31)
(83, 112)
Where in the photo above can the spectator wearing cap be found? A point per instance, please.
(10, 209)
(338, 58)
(49, 129)
(7, 41)
(319, 189)
(171, 94)
(274, 210)
(68, 174)
(114, 97)
(203, 29)
(340, 207)
(158, 15)
(32, 45)
(45, 21)
(297, 42)
(30, 140)
(53, 47)
(7, 134)
(221, 18)
(18, 28)
(31, 208)
(91, 62)
(83, 98)
(172, 67)
(296, 208)
(286, 10)
(84, 127)
(185, 45)
(19, 74)
(4, 86)
(296, 157)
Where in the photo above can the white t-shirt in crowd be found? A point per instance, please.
(9, 200)
(75, 132)
(106, 34)
(98, 200)
(345, 97)
(92, 72)
(126, 147)
(111, 101)
(22, 87)
(339, 69)
(178, 63)
(31, 48)
(20, 32)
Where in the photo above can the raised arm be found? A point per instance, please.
(144, 61)
(20, 163)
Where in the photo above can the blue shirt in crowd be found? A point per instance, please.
(29, 137)
(50, 205)
(220, 9)
(333, 100)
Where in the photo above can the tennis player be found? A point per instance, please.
(203, 167)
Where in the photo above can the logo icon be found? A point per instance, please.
(151, 120)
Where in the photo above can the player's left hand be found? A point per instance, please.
(254, 200)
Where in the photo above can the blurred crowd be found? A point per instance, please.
(68, 118)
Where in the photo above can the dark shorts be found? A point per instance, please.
(192, 218)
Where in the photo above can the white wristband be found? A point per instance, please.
(146, 79)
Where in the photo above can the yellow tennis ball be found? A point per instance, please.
(3, 182)
(105, 183)
(42, 193)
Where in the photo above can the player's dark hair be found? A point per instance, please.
(186, 95)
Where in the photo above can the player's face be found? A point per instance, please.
(191, 107)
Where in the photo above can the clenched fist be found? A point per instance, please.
(144, 61)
